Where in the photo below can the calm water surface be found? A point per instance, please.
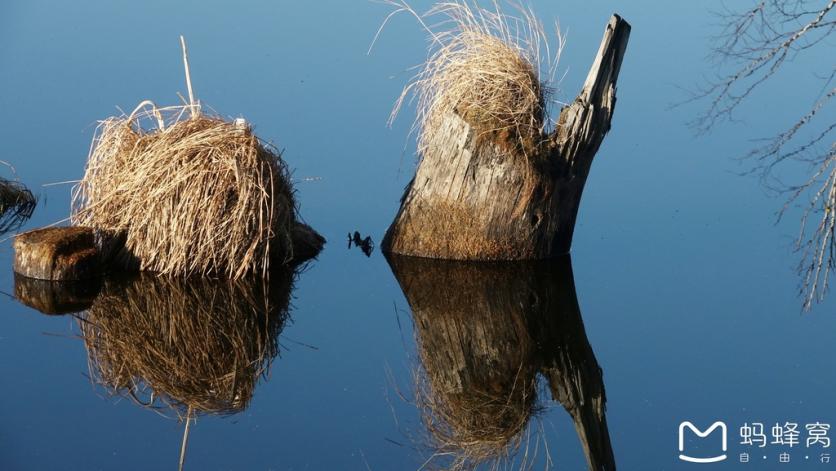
(680, 287)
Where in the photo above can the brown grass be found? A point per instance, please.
(17, 204)
(199, 344)
(193, 194)
(491, 68)
(454, 231)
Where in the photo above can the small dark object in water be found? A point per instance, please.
(366, 245)
(56, 297)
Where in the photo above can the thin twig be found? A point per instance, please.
(185, 439)
(188, 77)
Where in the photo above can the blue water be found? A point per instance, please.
(685, 285)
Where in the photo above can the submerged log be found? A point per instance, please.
(485, 332)
(477, 198)
(81, 253)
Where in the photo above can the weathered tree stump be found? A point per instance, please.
(58, 253)
(484, 333)
(476, 198)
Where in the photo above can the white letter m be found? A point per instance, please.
(700, 434)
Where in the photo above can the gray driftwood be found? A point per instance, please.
(477, 200)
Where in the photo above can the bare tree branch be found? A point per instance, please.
(755, 44)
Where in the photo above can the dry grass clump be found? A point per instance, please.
(493, 69)
(194, 194)
(17, 203)
(198, 345)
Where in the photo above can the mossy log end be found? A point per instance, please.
(80, 253)
(57, 254)
(477, 198)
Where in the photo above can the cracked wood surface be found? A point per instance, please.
(474, 199)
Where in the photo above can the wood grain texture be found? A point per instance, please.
(57, 253)
(477, 198)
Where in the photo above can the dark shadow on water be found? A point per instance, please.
(485, 333)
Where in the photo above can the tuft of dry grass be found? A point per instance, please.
(17, 203)
(192, 194)
(196, 344)
(492, 68)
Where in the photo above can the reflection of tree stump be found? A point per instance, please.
(568, 362)
(484, 331)
(475, 197)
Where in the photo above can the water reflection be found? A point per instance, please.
(182, 347)
(191, 346)
(56, 297)
(17, 204)
(485, 333)
(752, 45)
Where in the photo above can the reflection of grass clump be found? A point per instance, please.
(16, 205)
(199, 344)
